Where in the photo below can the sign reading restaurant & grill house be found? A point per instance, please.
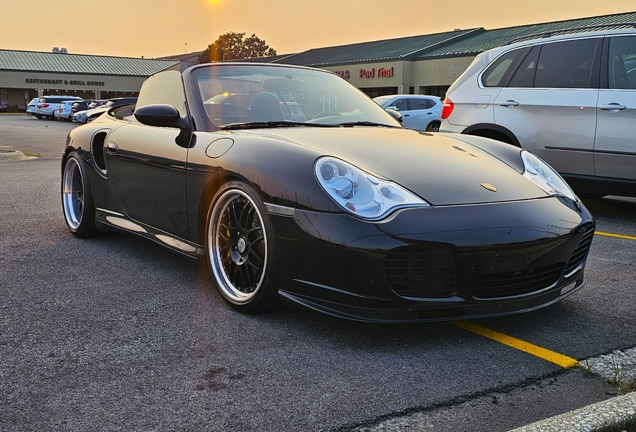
(65, 82)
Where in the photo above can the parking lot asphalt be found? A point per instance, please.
(615, 410)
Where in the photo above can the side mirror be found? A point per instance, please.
(395, 114)
(161, 115)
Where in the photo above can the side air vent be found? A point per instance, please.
(97, 150)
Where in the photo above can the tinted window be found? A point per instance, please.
(399, 105)
(524, 76)
(498, 74)
(566, 64)
(55, 99)
(622, 63)
(419, 103)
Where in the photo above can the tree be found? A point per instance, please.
(231, 45)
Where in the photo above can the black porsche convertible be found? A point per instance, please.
(297, 188)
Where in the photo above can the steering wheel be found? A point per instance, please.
(308, 111)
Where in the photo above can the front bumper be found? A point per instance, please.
(435, 263)
(447, 127)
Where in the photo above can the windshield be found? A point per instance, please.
(382, 100)
(237, 95)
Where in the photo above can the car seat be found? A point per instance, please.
(265, 107)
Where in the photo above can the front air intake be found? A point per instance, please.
(580, 253)
(420, 272)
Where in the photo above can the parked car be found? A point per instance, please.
(79, 106)
(48, 104)
(32, 106)
(97, 103)
(346, 212)
(120, 101)
(64, 110)
(91, 114)
(88, 115)
(570, 99)
(419, 112)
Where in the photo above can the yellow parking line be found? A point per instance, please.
(626, 237)
(545, 354)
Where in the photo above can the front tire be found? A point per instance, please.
(240, 249)
(77, 200)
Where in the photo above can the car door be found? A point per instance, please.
(550, 103)
(147, 164)
(401, 104)
(147, 169)
(421, 113)
(615, 147)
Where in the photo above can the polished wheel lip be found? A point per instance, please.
(73, 194)
(233, 250)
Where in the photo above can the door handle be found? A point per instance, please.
(612, 107)
(406, 115)
(112, 147)
(509, 103)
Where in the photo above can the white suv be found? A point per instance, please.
(570, 99)
(48, 104)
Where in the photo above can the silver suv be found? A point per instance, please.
(570, 99)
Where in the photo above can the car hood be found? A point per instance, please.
(441, 169)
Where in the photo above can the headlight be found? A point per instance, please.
(360, 193)
(545, 176)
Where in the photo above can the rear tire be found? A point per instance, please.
(77, 200)
(433, 127)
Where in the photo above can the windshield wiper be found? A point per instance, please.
(365, 123)
(272, 124)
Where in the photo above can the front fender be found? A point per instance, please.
(281, 172)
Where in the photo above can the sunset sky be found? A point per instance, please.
(136, 28)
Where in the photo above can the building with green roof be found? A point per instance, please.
(26, 74)
(429, 64)
(424, 64)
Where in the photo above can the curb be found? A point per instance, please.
(618, 412)
(14, 155)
